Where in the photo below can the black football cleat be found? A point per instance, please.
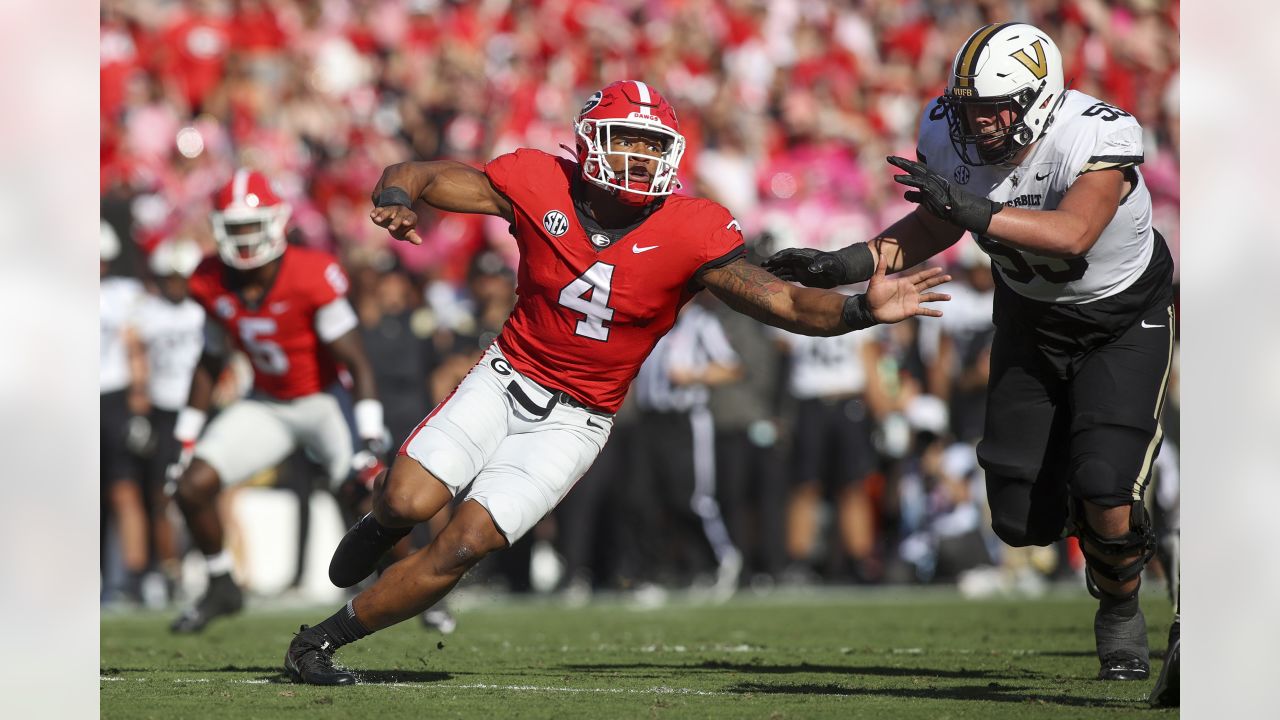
(1121, 665)
(1120, 633)
(1165, 693)
(309, 660)
(221, 599)
(357, 555)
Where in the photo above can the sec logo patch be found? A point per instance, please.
(555, 222)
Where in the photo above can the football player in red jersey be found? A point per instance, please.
(608, 256)
(286, 307)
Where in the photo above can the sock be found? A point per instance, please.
(219, 564)
(1119, 625)
(342, 627)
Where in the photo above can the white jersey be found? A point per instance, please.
(174, 336)
(118, 301)
(1086, 135)
(826, 366)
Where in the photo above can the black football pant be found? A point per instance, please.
(1091, 433)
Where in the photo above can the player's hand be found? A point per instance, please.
(809, 267)
(392, 209)
(946, 201)
(175, 469)
(892, 301)
(366, 465)
(369, 461)
(400, 221)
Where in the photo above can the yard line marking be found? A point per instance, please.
(661, 690)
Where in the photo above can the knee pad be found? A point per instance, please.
(1105, 556)
(1022, 517)
(1094, 479)
(1016, 532)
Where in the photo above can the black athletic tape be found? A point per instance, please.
(857, 313)
(394, 196)
(859, 263)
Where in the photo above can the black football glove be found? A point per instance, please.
(938, 196)
(809, 267)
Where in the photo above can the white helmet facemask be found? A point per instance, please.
(598, 136)
(250, 237)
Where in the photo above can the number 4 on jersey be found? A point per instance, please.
(596, 281)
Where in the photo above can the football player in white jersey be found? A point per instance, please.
(171, 327)
(1047, 180)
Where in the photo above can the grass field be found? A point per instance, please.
(821, 654)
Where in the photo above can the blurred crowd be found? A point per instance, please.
(789, 108)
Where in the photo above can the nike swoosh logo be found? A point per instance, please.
(637, 249)
(600, 427)
(1145, 325)
(1040, 177)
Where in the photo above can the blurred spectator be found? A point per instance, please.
(963, 353)
(170, 326)
(942, 496)
(122, 384)
(832, 451)
(676, 518)
(751, 481)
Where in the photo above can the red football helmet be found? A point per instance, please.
(633, 105)
(249, 220)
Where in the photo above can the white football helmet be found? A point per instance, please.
(109, 245)
(1003, 66)
(249, 221)
(177, 256)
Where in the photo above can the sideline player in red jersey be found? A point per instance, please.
(607, 258)
(286, 307)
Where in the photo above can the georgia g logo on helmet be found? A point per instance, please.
(635, 106)
(1006, 82)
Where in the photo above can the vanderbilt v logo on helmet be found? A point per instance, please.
(1038, 67)
(1006, 82)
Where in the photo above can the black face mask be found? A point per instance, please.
(991, 148)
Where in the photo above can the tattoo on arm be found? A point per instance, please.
(752, 291)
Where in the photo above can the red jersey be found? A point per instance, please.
(590, 308)
(278, 333)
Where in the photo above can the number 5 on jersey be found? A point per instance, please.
(596, 282)
(267, 356)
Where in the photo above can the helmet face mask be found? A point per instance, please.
(629, 109)
(1006, 82)
(249, 221)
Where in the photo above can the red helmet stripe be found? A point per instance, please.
(643, 89)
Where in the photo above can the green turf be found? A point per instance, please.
(826, 655)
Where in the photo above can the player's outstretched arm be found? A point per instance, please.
(442, 184)
(910, 241)
(756, 293)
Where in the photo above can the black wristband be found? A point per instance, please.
(394, 196)
(859, 263)
(857, 313)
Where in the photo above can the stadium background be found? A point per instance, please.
(789, 109)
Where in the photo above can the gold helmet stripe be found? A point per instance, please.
(969, 54)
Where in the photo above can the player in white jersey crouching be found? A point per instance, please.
(1047, 180)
